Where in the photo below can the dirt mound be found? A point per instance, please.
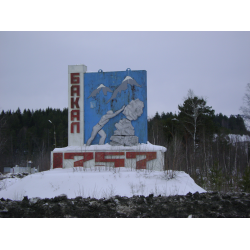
(197, 205)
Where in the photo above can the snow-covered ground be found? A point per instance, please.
(98, 183)
(238, 138)
(235, 138)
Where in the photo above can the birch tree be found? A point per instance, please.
(246, 105)
(192, 112)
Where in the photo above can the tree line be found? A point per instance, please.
(208, 147)
(198, 141)
(29, 135)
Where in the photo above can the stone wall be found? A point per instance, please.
(205, 205)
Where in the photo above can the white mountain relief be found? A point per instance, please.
(101, 87)
(123, 86)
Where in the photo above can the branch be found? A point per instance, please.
(188, 131)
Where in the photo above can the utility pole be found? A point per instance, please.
(54, 132)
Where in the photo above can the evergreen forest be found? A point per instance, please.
(198, 142)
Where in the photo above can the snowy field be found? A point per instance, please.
(98, 183)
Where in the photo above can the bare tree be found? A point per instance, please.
(246, 105)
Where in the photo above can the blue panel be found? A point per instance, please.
(98, 101)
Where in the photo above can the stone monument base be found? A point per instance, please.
(142, 156)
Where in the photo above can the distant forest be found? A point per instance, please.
(29, 135)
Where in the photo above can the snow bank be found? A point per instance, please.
(99, 183)
(238, 138)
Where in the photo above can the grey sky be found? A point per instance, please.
(215, 65)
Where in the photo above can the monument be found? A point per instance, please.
(107, 121)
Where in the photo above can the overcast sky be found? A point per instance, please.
(215, 65)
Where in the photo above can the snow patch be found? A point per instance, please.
(128, 78)
(99, 183)
(143, 147)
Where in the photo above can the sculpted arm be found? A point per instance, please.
(118, 111)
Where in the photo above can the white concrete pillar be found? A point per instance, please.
(76, 104)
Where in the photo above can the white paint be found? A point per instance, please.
(128, 78)
(156, 164)
(76, 139)
(101, 86)
(51, 159)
